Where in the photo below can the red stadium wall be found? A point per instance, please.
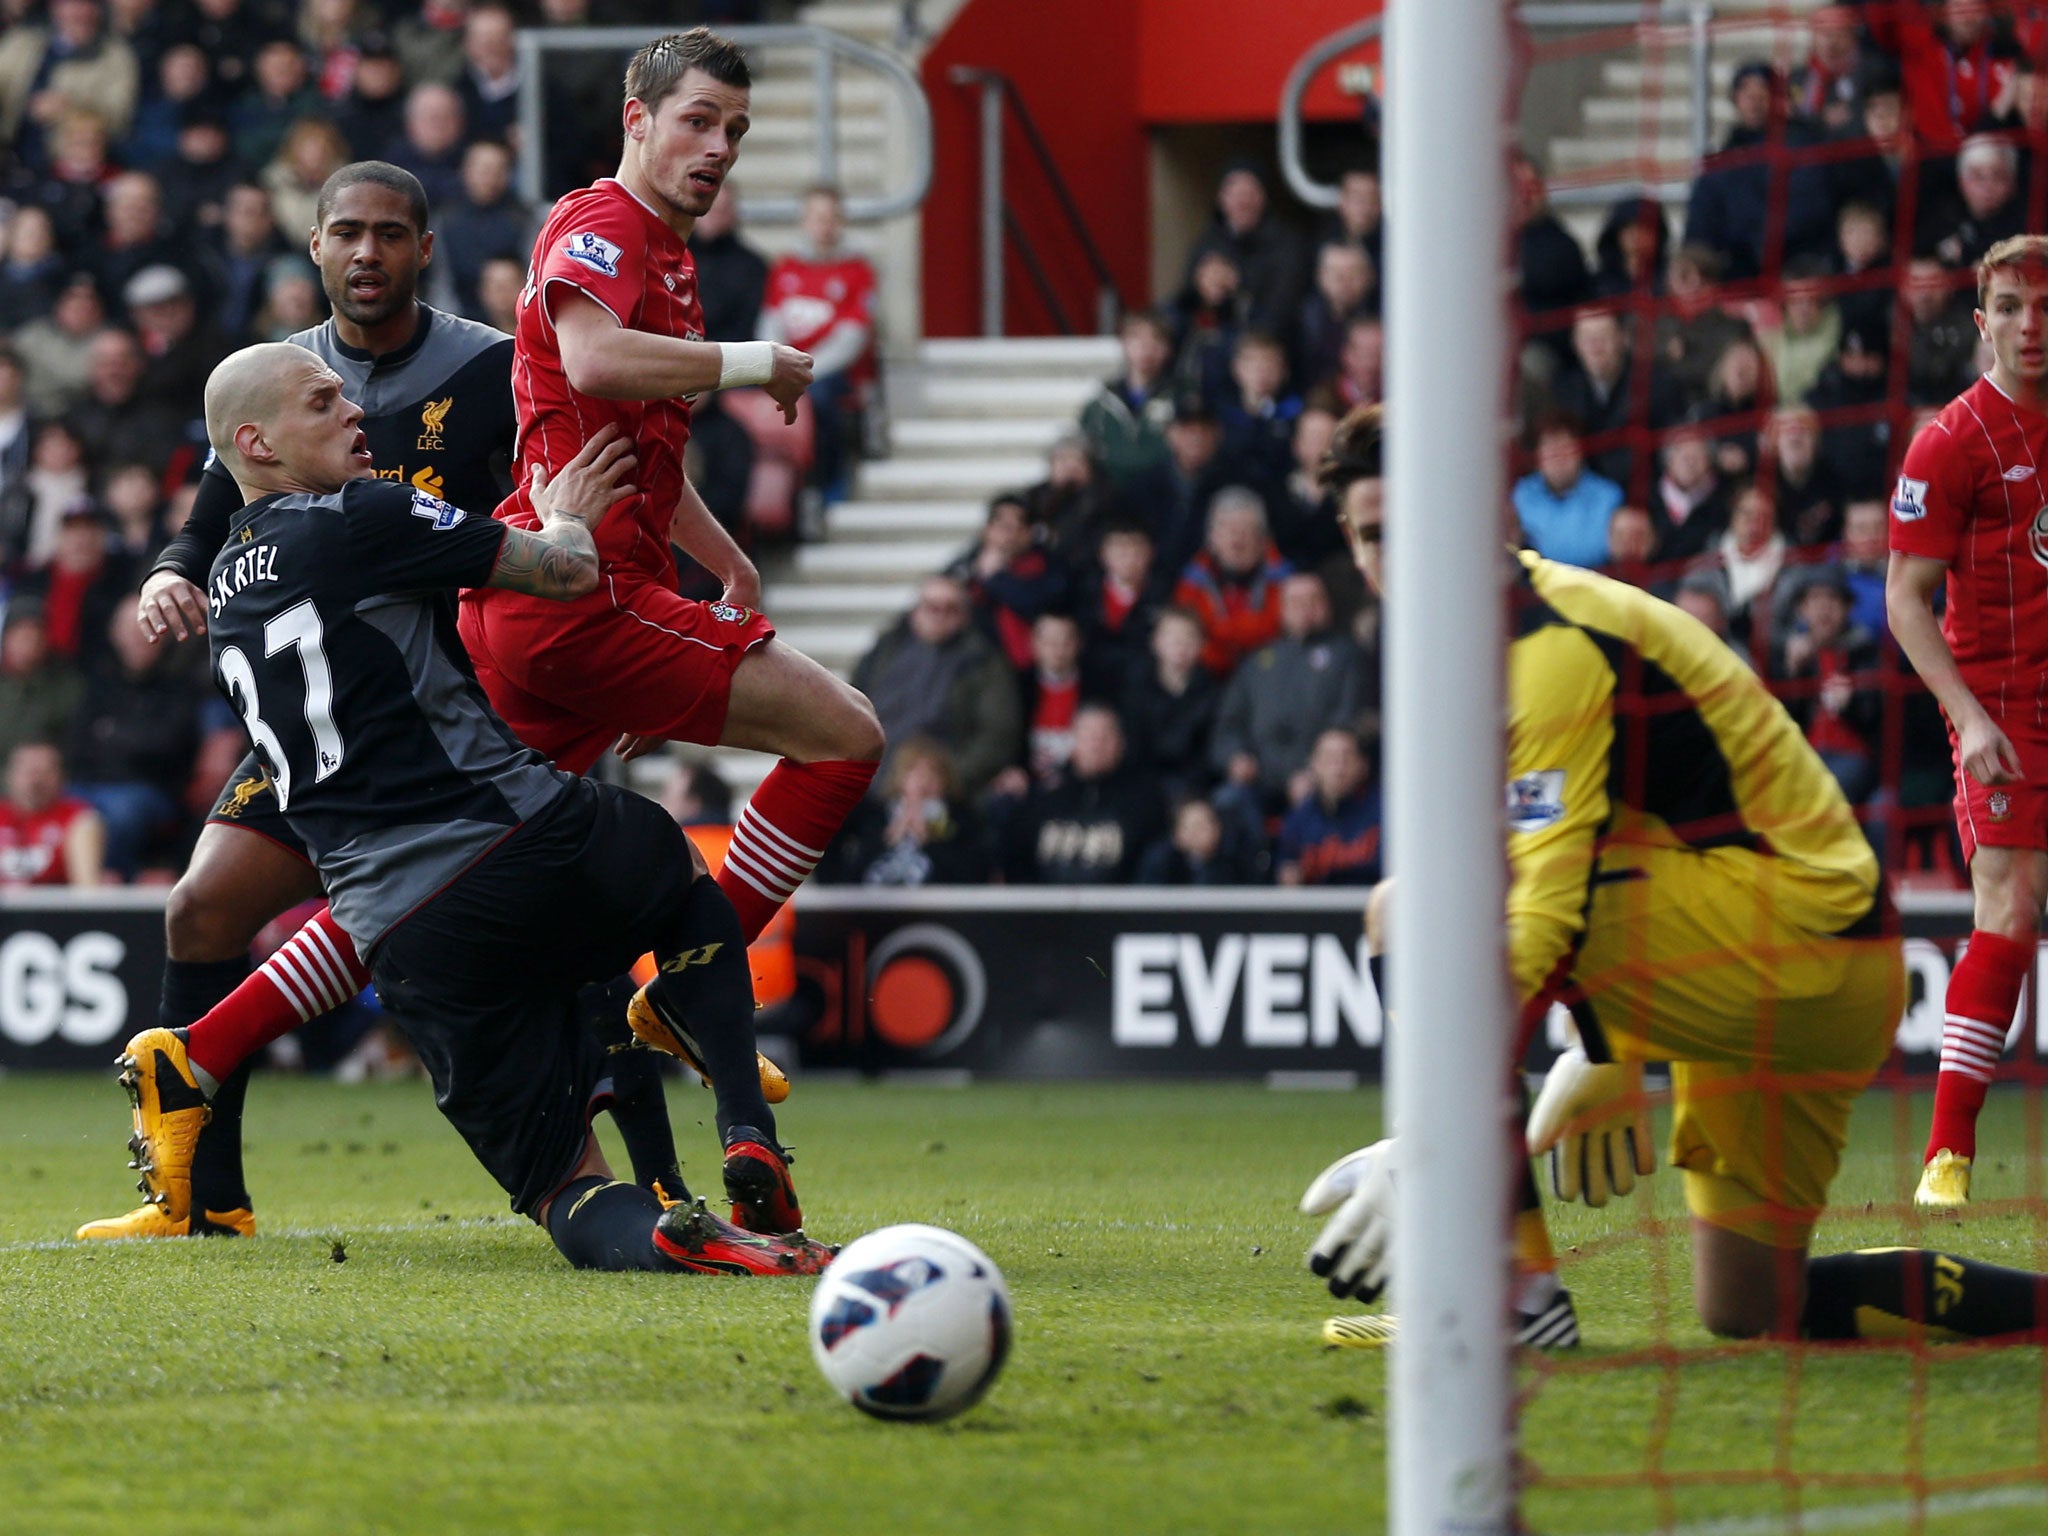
(1075, 65)
(1095, 74)
(1201, 61)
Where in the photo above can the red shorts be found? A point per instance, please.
(2005, 815)
(630, 658)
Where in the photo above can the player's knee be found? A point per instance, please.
(849, 731)
(2008, 895)
(2011, 909)
(1749, 1304)
(864, 741)
(1729, 1316)
(1739, 1317)
(199, 924)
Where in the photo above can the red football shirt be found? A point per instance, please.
(1972, 495)
(607, 244)
(1828, 731)
(812, 298)
(32, 847)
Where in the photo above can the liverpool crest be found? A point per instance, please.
(433, 415)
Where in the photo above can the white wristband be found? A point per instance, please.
(745, 362)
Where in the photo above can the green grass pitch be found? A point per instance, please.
(450, 1374)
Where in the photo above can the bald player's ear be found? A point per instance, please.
(250, 445)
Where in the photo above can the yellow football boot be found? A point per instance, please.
(149, 1221)
(1554, 1325)
(1368, 1330)
(652, 1029)
(1944, 1182)
(169, 1112)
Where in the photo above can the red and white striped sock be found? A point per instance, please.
(1982, 994)
(313, 972)
(783, 833)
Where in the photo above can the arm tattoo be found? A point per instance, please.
(558, 561)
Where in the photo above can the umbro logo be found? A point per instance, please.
(2020, 472)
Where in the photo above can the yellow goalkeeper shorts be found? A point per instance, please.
(1772, 1029)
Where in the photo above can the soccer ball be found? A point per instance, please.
(911, 1322)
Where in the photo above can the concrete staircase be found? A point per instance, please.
(1637, 118)
(780, 156)
(969, 418)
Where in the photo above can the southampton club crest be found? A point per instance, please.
(730, 613)
(1999, 803)
(2037, 535)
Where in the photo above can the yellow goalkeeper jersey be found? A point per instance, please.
(1631, 727)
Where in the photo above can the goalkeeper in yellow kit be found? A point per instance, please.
(1688, 880)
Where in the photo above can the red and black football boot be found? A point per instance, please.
(757, 1180)
(691, 1238)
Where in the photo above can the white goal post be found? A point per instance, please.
(1449, 1439)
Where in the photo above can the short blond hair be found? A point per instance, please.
(2015, 251)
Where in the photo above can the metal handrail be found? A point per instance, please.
(997, 89)
(535, 42)
(1696, 15)
(1315, 193)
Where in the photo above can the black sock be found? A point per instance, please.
(1377, 964)
(606, 1224)
(708, 991)
(639, 1107)
(1900, 1293)
(218, 1183)
(191, 989)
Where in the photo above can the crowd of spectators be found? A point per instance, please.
(1136, 681)
(1714, 401)
(1720, 416)
(160, 161)
(1155, 664)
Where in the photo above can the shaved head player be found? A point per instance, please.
(483, 885)
(436, 392)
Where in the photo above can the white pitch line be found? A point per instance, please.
(1856, 1517)
(328, 1233)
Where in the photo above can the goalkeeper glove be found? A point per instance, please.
(1594, 1122)
(1354, 1249)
